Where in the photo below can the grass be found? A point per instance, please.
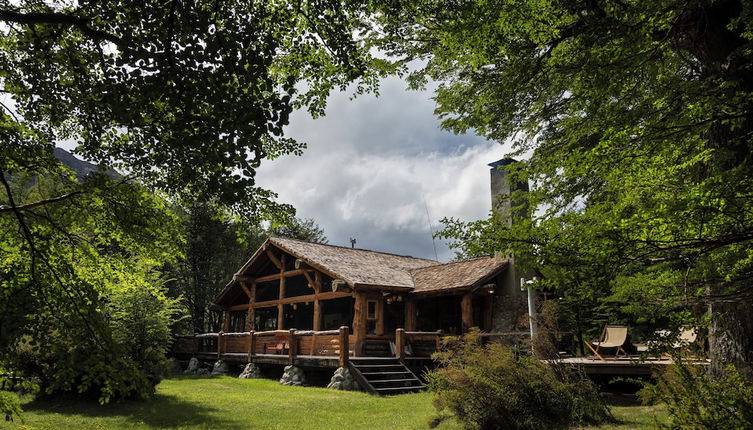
(230, 403)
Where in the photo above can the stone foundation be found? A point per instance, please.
(220, 368)
(293, 376)
(194, 365)
(251, 371)
(343, 380)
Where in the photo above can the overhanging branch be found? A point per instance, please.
(8, 208)
(54, 18)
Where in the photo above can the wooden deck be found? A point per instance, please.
(624, 366)
(330, 349)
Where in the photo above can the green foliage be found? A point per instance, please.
(188, 97)
(696, 400)
(58, 263)
(636, 124)
(10, 406)
(489, 387)
(141, 315)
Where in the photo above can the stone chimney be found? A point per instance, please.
(502, 187)
(509, 302)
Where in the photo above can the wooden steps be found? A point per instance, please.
(384, 376)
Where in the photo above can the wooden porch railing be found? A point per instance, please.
(291, 343)
(422, 344)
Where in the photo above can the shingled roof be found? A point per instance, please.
(457, 274)
(371, 268)
(356, 266)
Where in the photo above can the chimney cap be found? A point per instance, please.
(503, 162)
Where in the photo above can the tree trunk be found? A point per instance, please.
(731, 337)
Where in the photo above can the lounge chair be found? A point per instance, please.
(612, 336)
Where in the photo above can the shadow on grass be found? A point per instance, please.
(161, 411)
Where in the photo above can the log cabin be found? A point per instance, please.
(317, 305)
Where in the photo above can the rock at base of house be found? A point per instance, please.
(343, 380)
(193, 366)
(202, 371)
(251, 371)
(174, 367)
(293, 376)
(220, 368)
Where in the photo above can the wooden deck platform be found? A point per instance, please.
(623, 366)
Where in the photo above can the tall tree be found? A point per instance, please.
(638, 119)
(187, 96)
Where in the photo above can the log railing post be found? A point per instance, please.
(195, 345)
(251, 345)
(400, 344)
(219, 345)
(344, 346)
(292, 347)
(439, 339)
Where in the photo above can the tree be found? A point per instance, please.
(187, 97)
(638, 121)
(217, 244)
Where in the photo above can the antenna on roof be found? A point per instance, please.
(428, 221)
(352, 242)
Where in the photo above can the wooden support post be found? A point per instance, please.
(400, 344)
(251, 345)
(280, 313)
(292, 346)
(226, 321)
(317, 306)
(317, 315)
(359, 323)
(410, 314)
(380, 316)
(344, 346)
(466, 309)
(488, 313)
(439, 339)
(250, 315)
(220, 340)
(195, 345)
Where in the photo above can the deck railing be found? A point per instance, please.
(246, 345)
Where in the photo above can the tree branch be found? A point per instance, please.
(10, 208)
(54, 18)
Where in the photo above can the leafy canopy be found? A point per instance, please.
(636, 119)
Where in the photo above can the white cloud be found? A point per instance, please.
(373, 162)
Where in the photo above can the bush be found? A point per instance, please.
(141, 314)
(696, 400)
(489, 387)
(9, 405)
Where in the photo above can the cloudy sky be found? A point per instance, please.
(375, 165)
(371, 166)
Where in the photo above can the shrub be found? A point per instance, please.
(488, 387)
(141, 314)
(696, 400)
(9, 405)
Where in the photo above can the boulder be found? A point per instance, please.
(220, 368)
(251, 371)
(193, 366)
(293, 376)
(343, 380)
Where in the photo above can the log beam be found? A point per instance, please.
(466, 309)
(410, 314)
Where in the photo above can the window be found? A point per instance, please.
(371, 306)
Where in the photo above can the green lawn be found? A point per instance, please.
(229, 403)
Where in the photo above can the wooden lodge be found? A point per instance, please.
(304, 299)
